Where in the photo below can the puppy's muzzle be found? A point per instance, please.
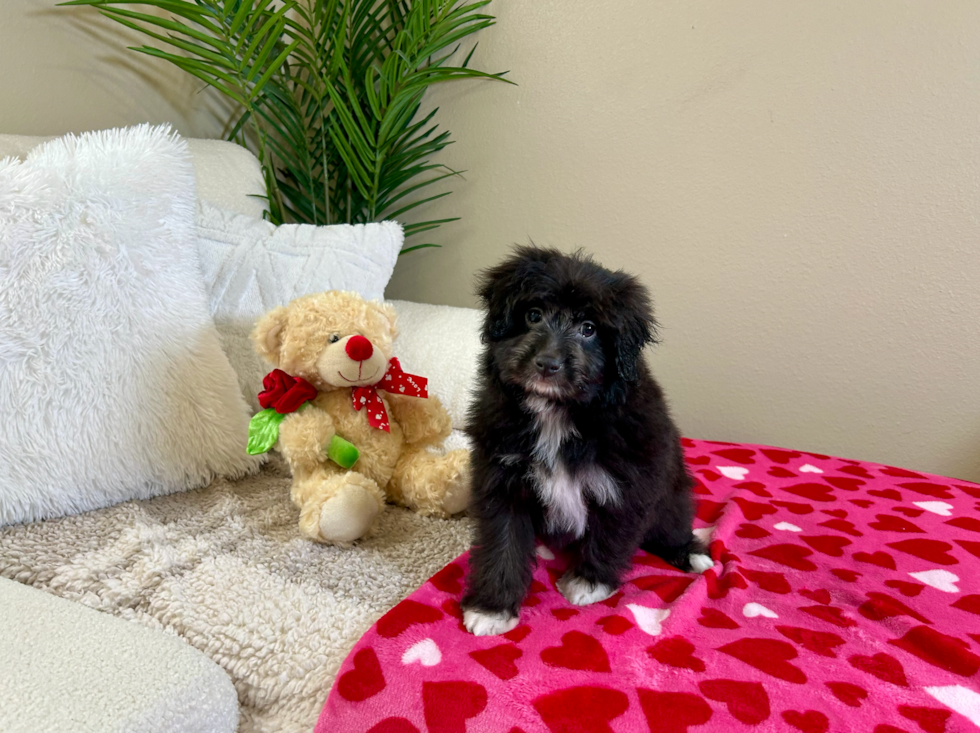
(548, 365)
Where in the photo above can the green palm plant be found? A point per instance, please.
(328, 93)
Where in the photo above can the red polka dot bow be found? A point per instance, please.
(394, 381)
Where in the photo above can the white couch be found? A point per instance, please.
(226, 596)
(66, 667)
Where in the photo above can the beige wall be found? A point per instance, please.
(799, 184)
(68, 70)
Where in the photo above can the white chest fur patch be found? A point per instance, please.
(562, 492)
(554, 428)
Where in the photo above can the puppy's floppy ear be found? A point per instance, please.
(498, 289)
(267, 336)
(630, 315)
(501, 288)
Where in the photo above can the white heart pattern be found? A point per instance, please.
(807, 468)
(787, 527)
(751, 610)
(425, 652)
(544, 553)
(961, 699)
(936, 507)
(939, 579)
(649, 619)
(735, 473)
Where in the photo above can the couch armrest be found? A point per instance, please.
(66, 667)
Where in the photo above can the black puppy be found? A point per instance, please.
(572, 440)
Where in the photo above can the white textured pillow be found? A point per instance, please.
(251, 266)
(113, 385)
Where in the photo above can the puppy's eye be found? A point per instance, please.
(534, 315)
(587, 329)
(335, 338)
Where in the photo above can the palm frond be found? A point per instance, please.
(329, 93)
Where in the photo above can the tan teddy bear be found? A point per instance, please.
(342, 345)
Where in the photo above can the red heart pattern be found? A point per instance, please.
(751, 532)
(673, 712)
(882, 666)
(499, 660)
(822, 595)
(667, 587)
(448, 579)
(394, 725)
(827, 544)
(364, 679)
(448, 705)
(577, 651)
(931, 720)
(793, 556)
(746, 701)
(879, 558)
(891, 523)
(404, 615)
(841, 591)
(818, 642)
(811, 721)
(848, 694)
(767, 655)
(614, 624)
(934, 551)
(712, 618)
(772, 582)
(581, 709)
(677, 652)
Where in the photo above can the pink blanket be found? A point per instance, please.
(845, 596)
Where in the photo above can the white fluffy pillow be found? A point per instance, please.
(251, 266)
(113, 385)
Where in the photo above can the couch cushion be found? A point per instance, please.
(441, 343)
(65, 667)
(227, 174)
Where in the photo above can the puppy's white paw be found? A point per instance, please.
(488, 623)
(699, 562)
(581, 592)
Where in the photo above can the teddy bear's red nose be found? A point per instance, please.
(359, 348)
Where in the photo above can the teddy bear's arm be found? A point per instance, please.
(422, 420)
(304, 437)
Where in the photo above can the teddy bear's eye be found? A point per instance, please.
(334, 339)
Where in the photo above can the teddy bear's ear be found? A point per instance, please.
(268, 335)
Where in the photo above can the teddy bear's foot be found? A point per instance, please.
(337, 508)
(431, 484)
(458, 491)
(350, 513)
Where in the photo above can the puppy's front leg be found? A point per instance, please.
(602, 555)
(501, 565)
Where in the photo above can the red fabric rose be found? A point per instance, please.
(284, 393)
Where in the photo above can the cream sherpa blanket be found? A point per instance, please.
(225, 569)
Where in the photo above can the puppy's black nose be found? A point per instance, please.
(548, 365)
